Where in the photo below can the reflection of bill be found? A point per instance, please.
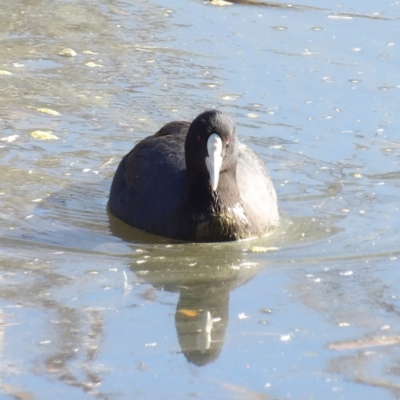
(201, 320)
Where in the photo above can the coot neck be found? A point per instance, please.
(199, 197)
(213, 216)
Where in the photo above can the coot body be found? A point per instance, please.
(195, 182)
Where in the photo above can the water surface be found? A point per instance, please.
(90, 308)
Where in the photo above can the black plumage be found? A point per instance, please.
(163, 184)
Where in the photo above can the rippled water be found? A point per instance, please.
(92, 308)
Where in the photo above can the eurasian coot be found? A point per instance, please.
(195, 182)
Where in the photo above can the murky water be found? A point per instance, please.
(92, 309)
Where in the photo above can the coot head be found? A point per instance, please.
(211, 147)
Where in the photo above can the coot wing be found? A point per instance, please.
(149, 181)
(256, 190)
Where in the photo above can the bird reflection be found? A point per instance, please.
(203, 274)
